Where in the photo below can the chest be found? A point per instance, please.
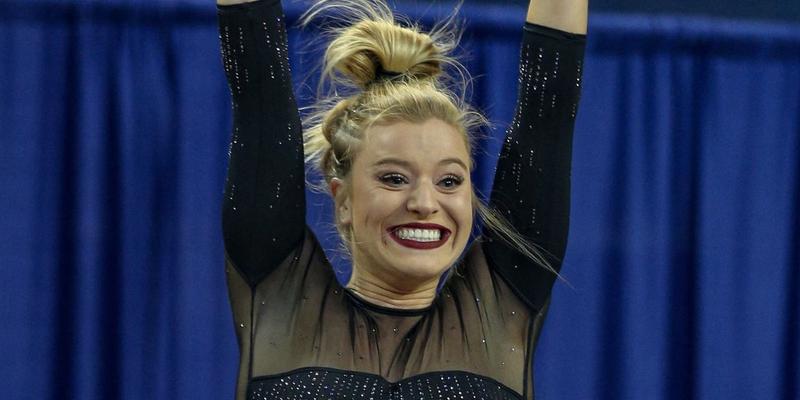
(389, 353)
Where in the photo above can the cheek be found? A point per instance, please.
(373, 207)
(461, 212)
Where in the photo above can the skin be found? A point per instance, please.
(405, 173)
(566, 15)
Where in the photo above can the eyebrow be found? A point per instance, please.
(404, 163)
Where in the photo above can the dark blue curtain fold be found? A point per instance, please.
(684, 255)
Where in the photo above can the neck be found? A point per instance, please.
(384, 294)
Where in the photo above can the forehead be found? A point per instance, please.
(421, 143)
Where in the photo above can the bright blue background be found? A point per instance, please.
(684, 243)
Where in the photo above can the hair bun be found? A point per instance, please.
(374, 49)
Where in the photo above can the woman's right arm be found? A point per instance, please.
(263, 216)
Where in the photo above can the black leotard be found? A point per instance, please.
(301, 335)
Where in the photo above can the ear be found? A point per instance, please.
(341, 199)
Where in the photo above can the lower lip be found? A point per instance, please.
(420, 245)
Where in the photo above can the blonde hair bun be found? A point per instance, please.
(373, 50)
(368, 44)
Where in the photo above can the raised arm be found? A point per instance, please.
(264, 202)
(532, 182)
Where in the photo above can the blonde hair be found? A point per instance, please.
(379, 69)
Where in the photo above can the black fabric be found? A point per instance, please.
(532, 186)
(293, 318)
(331, 384)
(264, 204)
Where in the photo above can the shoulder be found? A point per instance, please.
(306, 260)
(474, 277)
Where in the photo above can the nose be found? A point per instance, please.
(422, 200)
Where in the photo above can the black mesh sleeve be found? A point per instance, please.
(532, 182)
(263, 215)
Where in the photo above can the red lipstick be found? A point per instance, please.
(444, 234)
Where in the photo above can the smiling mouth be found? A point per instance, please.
(420, 236)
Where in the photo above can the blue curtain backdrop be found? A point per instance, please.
(684, 252)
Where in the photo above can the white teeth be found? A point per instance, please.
(419, 235)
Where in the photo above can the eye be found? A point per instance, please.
(393, 180)
(451, 181)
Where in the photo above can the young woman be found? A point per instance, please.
(396, 155)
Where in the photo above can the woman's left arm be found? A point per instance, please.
(532, 182)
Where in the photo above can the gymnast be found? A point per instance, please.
(429, 312)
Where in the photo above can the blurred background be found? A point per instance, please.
(684, 252)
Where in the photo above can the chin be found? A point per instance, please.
(423, 272)
(420, 267)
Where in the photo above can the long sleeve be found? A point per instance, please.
(263, 214)
(532, 182)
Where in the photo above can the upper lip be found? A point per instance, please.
(419, 225)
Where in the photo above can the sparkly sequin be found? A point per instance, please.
(323, 384)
